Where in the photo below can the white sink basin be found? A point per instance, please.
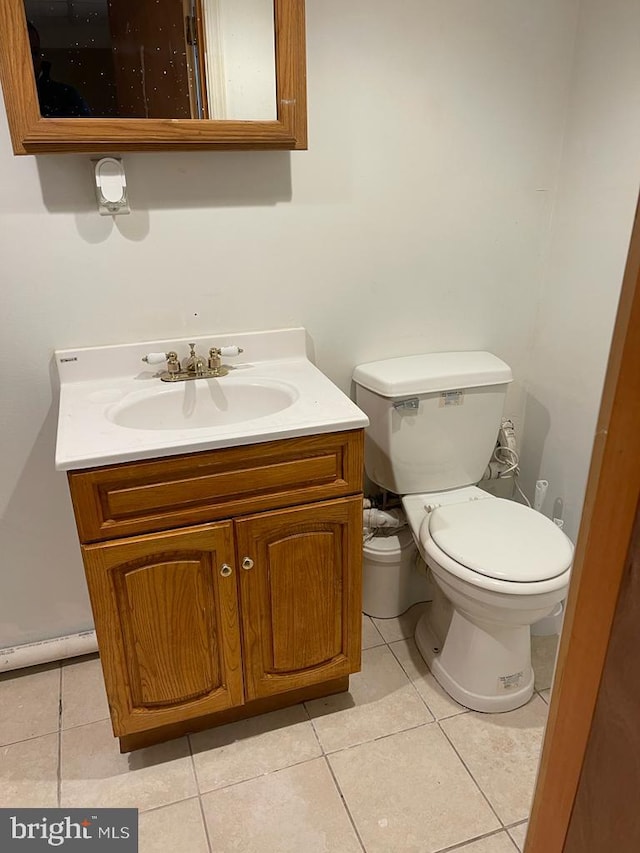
(201, 404)
(112, 409)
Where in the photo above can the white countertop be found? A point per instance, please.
(96, 381)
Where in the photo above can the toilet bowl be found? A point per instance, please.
(498, 567)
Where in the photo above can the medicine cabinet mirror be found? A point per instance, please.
(105, 75)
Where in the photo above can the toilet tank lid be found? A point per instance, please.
(436, 371)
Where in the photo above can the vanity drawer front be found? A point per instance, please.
(160, 494)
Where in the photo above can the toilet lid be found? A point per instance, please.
(501, 539)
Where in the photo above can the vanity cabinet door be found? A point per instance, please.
(166, 615)
(300, 590)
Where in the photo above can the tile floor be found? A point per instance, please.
(394, 765)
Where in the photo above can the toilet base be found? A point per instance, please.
(486, 668)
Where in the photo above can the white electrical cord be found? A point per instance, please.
(512, 461)
(526, 499)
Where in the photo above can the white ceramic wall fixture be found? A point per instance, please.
(114, 408)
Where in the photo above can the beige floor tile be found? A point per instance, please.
(84, 699)
(543, 659)
(29, 773)
(297, 810)
(29, 703)
(519, 833)
(502, 753)
(94, 773)
(546, 695)
(438, 700)
(173, 829)
(381, 700)
(410, 792)
(400, 627)
(249, 748)
(500, 843)
(370, 635)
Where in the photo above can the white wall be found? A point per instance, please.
(586, 254)
(416, 221)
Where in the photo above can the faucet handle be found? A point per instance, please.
(171, 357)
(218, 352)
(215, 359)
(157, 357)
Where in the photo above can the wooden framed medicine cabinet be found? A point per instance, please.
(31, 133)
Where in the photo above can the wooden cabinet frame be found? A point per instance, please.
(32, 134)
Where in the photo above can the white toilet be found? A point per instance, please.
(498, 566)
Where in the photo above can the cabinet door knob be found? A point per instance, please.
(226, 570)
(247, 563)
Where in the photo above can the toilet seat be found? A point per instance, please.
(501, 540)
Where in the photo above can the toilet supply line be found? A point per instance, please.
(505, 453)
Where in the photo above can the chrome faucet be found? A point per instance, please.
(194, 366)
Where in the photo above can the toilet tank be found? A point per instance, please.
(434, 418)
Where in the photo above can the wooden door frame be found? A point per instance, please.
(606, 529)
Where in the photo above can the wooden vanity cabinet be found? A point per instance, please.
(202, 623)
